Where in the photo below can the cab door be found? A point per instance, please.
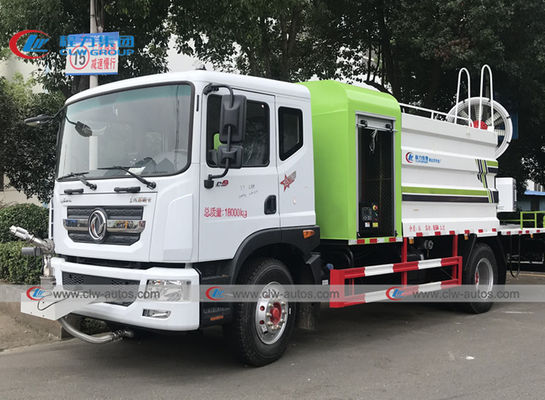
(245, 200)
(295, 162)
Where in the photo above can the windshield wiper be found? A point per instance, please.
(149, 184)
(79, 176)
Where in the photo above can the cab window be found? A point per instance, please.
(290, 129)
(255, 151)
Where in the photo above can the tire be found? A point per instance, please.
(267, 345)
(482, 259)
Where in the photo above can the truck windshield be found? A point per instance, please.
(145, 130)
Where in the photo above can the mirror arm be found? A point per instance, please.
(49, 119)
(209, 182)
(214, 88)
(58, 112)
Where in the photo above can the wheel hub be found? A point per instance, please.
(276, 313)
(271, 315)
(484, 275)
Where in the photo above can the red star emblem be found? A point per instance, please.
(288, 180)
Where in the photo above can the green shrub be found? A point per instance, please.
(16, 268)
(29, 216)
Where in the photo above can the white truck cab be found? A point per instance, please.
(131, 203)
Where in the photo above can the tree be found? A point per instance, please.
(278, 40)
(8, 108)
(414, 49)
(27, 154)
(144, 19)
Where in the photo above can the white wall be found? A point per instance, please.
(10, 196)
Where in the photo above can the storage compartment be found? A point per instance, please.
(376, 205)
(345, 174)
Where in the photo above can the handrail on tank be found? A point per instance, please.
(463, 69)
(433, 113)
(484, 68)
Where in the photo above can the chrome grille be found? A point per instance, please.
(124, 224)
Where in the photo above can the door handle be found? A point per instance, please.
(270, 204)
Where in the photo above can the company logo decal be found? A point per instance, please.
(396, 293)
(35, 293)
(225, 182)
(215, 293)
(421, 159)
(288, 180)
(34, 43)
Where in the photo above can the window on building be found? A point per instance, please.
(290, 128)
(255, 151)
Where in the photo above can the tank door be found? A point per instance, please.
(376, 197)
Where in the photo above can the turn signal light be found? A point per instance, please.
(308, 233)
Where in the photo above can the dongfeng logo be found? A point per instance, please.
(97, 225)
(34, 43)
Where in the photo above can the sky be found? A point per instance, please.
(181, 62)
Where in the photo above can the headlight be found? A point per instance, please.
(167, 290)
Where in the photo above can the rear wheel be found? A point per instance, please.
(482, 274)
(261, 331)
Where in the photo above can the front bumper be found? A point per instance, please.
(184, 314)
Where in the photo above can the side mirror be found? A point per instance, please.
(233, 118)
(223, 153)
(39, 120)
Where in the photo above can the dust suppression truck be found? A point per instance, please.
(206, 178)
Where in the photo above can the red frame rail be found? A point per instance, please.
(339, 277)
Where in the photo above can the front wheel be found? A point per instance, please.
(482, 273)
(261, 331)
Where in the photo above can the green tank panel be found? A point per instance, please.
(334, 108)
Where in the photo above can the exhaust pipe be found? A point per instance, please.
(96, 339)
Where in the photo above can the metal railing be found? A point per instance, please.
(534, 221)
(434, 114)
